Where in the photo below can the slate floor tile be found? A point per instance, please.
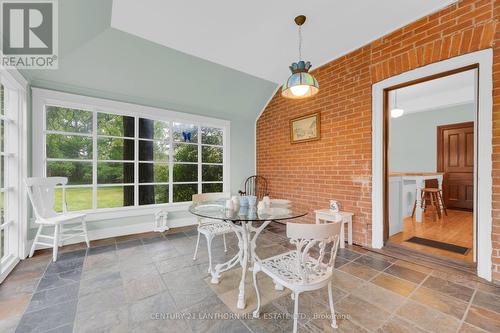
(483, 318)
(427, 318)
(8, 325)
(456, 276)
(64, 265)
(142, 282)
(48, 318)
(156, 306)
(387, 300)
(14, 306)
(11, 288)
(161, 326)
(127, 284)
(394, 284)
(406, 273)
(440, 302)
(361, 271)
(468, 328)
(413, 266)
(357, 309)
(68, 328)
(101, 249)
(210, 316)
(72, 255)
(50, 297)
(111, 319)
(449, 288)
(487, 301)
(156, 239)
(398, 325)
(101, 300)
(339, 262)
(345, 281)
(60, 279)
(176, 263)
(187, 286)
(272, 320)
(128, 244)
(374, 263)
(102, 281)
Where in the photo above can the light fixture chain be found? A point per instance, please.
(300, 42)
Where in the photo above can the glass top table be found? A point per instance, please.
(216, 210)
(241, 223)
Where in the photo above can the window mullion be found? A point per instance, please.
(199, 160)
(136, 161)
(171, 163)
(94, 160)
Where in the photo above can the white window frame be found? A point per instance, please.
(43, 97)
(15, 148)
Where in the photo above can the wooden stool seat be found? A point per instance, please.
(435, 198)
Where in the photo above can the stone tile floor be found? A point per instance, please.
(149, 283)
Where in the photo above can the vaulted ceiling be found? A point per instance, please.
(221, 58)
(259, 37)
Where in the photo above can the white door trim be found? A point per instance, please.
(484, 166)
(15, 132)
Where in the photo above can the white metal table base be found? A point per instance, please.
(246, 254)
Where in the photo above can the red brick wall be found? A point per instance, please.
(339, 165)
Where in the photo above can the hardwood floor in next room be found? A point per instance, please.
(456, 228)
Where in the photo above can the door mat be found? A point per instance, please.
(439, 245)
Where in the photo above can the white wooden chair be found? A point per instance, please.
(211, 228)
(41, 192)
(297, 270)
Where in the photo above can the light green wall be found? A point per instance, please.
(99, 61)
(413, 137)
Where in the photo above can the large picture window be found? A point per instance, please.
(115, 160)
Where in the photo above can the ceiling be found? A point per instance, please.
(181, 55)
(452, 90)
(99, 61)
(259, 37)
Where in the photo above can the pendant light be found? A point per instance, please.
(396, 112)
(300, 84)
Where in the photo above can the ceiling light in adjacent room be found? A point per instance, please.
(396, 112)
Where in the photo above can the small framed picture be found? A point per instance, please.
(305, 128)
(334, 206)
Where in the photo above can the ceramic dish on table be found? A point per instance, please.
(280, 203)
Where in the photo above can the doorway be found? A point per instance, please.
(483, 60)
(430, 165)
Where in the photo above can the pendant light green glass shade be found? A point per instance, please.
(300, 84)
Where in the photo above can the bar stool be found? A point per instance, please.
(434, 195)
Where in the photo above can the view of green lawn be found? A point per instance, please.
(81, 198)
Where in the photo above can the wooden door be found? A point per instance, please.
(456, 160)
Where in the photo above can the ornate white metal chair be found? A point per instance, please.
(299, 271)
(41, 192)
(211, 228)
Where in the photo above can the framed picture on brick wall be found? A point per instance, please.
(305, 128)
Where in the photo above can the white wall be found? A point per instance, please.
(413, 141)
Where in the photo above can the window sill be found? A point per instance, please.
(124, 212)
(114, 213)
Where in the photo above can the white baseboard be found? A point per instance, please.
(122, 231)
